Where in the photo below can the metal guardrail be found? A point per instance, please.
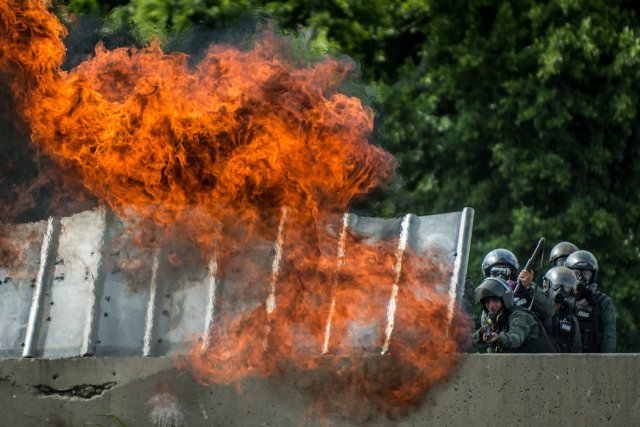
(66, 294)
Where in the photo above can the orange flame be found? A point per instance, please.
(256, 140)
(351, 376)
(242, 132)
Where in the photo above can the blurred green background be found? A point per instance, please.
(525, 110)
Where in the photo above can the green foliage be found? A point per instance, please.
(524, 110)
(538, 102)
(84, 6)
(379, 33)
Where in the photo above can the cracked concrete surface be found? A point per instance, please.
(81, 391)
(568, 390)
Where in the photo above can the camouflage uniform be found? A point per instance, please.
(520, 332)
(523, 333)
(542, 305)
(503, 258)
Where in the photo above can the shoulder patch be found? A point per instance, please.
(517, 321)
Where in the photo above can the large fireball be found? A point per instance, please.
(250, 145)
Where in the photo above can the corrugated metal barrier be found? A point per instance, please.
(65, 296)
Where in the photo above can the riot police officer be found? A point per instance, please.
(594, 309)
(504, 264)
(508, 329)
(565, 330)
(560, 252)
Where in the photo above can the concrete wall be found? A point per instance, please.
(567, 390)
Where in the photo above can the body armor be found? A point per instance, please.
(563, 329)
(587, 312)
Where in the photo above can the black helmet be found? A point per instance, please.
(581, 261)
(500, 257)
(560, 281)
(561, 250)
(495, 287)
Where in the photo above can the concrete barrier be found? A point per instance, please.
(520, 390)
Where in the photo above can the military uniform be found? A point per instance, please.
(560, 282)
(503, 263)
(565, 332)
(518, 329)
(593, 309)
(542, 305)
(521, 333)
(597, 320)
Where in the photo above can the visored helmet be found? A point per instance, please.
(500, 257)
(495, 287)
(581, 262)
(560, 252)
(560, 276)
(560, 281)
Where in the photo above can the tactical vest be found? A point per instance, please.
(525, 302)
(588, 315)
(563, 329)
(542, 344)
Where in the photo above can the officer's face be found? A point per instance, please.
(493, 304)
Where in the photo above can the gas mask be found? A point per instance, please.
(584, 279)
(503, 272)
(584, 276)
(565, 299)
(562, 294)
(585, 291)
